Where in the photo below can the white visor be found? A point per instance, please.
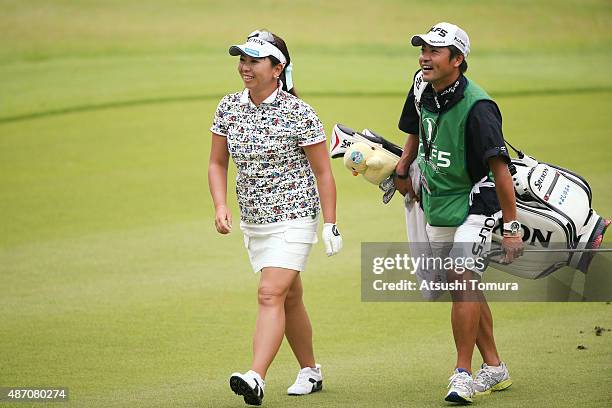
(257, 48)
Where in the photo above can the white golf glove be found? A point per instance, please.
(332, 239)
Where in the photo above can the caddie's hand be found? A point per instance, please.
(223, 220)
(513, 248)
(332, 239)
(404, 186)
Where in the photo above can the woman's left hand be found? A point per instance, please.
(332, 239)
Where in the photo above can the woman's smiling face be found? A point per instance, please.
(258, 73)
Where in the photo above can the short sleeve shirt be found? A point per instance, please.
(274, 180)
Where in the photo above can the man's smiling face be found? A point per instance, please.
(437, 65)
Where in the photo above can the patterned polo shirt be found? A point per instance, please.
(274, 180)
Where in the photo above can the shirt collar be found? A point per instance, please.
(244, 98)
(447, 98)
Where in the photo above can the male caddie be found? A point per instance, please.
(455, 133)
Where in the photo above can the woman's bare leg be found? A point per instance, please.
(297, 325)
(274, 285)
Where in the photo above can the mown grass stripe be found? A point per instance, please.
(349, 94)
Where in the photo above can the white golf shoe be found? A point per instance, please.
(491, 378)
(250, 385)
(461, 387)
(308, 380)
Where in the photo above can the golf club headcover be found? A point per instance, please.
(370, 161)
(367, 153)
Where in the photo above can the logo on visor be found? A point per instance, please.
(252, 52)
(256, 40)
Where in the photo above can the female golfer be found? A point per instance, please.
(278, 145)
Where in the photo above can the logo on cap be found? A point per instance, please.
(441, 32)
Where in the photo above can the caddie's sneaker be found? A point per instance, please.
(491, 378)
(461, 387)
(308, 380)
(249, 385)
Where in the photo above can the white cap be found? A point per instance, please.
(444, 35)
(258, 48)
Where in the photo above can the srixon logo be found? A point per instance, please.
(256, 41)
(540, 180)
(441, 32)
(530, 234)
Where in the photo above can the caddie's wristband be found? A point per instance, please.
(402, 177)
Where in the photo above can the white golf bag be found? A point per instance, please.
(553, 206)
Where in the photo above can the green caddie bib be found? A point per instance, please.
(446, 184)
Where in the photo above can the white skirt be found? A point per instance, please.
(284, 244)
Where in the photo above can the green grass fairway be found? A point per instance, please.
(115, 284)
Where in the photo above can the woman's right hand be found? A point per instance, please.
(223, 220)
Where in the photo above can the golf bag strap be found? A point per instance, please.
(418, 88)
(484, 182)
(518, 152)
